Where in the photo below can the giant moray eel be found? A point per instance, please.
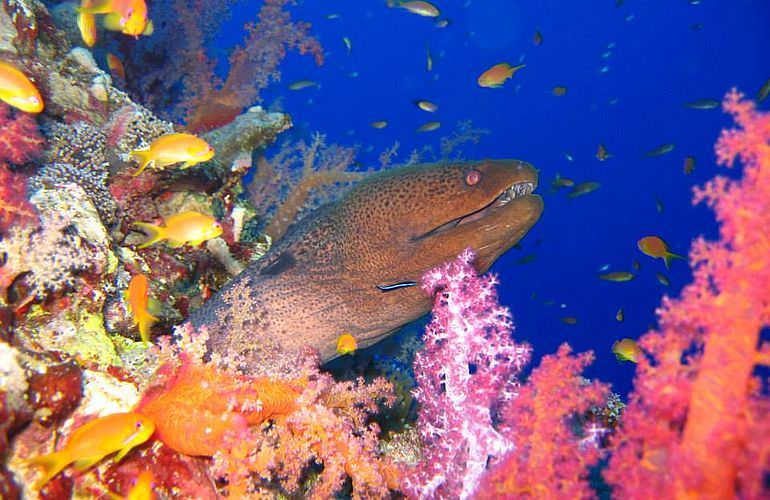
(346, 267)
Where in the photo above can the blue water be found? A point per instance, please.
(655, 62)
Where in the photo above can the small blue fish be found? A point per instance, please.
(396, 286)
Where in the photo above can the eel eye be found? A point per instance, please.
(472, 177)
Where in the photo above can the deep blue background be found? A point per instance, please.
(658, 62)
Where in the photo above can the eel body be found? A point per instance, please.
(347, 267)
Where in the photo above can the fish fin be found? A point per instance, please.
(157, 233)
(144, 160)
(113, 22)
(176, 244)
(52, 464)
(123, 452)
(671, 256)
(86, 463)
(145, 322)
(186, 164)
(96, 7)
(149, 28)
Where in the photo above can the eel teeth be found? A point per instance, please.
(520, 189)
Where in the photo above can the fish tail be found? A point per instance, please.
(156, 233)
(52, 464)
(145, 321)
(144, 160)
(671, 256)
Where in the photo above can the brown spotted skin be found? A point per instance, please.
(320, 280)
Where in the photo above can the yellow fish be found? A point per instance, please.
(303, 84)
(18, 91)
(90, 443)
(627, 350)
(127, 16)
(421, 8)
(117, 70)
(618, 276)
(657, 248)
(191, 228)
(497, 74)
(142, 489)
(429, 127)
(138, 295)
(174, 148)
(346, 344)
(602, 153)
(559, 90)
(428, 106)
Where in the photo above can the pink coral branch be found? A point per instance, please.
(464, 373)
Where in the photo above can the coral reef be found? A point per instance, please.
(696, 424)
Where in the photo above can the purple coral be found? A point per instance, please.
(465, 372)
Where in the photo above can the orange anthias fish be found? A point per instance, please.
(627, 350)
(191, 228)
(116, 67)
(127, 16)
(18, 91)
(497, 74)
(174, 148)
(138, 295)
(90, 443)
(346, 344)
(657, 248)
(142, 489)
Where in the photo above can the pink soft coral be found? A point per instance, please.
(553, 455)
(465, 372)
(697, 425)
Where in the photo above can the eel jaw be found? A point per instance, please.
(516, 190)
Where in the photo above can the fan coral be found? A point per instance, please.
(696, 424)
(299, 177)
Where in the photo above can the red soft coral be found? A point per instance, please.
(20, 140)
(14, 207)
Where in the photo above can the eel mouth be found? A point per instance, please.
(517, 190)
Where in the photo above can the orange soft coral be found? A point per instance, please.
(196, 405)
(270, 435)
